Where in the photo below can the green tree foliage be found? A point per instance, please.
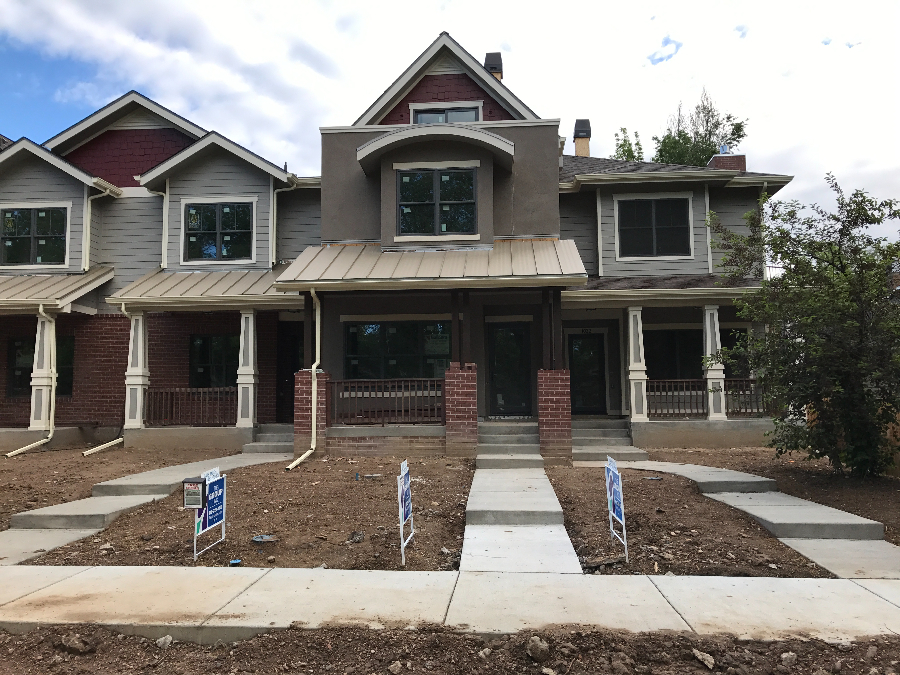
(626, 150)
(830, 356)
(693, 140)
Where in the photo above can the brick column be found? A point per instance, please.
(303, 411)
(555, 413)
(461, 409)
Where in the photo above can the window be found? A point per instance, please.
(214, 360)
(33, 236)
(65, 364)
(218, 231)
(653, 227)
(674, 354)
(436, 202)
(389, 349)
(20, 363)
(446, 115)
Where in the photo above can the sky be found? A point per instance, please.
(818, 87)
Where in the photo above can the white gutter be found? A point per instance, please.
(164, 254)
(315, 380)
(88, 217)
(273, 226)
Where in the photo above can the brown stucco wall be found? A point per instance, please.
(351, 201)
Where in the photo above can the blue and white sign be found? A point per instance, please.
(615, 503)
(213, 515)
(404, 502)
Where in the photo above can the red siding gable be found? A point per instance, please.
(441, 88)
(119, 155)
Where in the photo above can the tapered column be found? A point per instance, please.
(43, 374)
(248, 373)
(637, 367)
(714, 373)
(137, 374)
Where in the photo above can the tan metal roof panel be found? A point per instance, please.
(523, 258)
(168, 282)
(545, 259)
(500, 260)
(11, 285)
(384, 268)
(262, 285)
(342, 263)
(23, 286)
(296, 268)
(320, 263)
(477, 263)
(431, 265)
(569, 260)
(408, 265)
(454, 264)
(199, 284)
(188, 284)
(28, 292)
(362, 266)
(136, 287)
(242, 283)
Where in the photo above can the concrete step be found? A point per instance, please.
(508, 448)
(268, 447)
(275, 429)
(599, 424)
(274, 438)
(525, 548)
(496, 439)
(622, 453)
(509, 461)
(600, 433)
(601, 442)
(93, 513)
(507, 428)
(514, 508)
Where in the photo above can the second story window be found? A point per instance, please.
(218, 231)
(33, 236)
(445, 115)
(436, 202)
(651, 228)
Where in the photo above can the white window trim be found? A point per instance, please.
(436, 237)
(654, 195)
(46, 205)
(462, 164)
(444, 105)
(234, 199)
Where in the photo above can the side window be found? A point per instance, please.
(436, 202)
(20, 361)
(214, 360)
(218, 231)
(65, 364)
(35, 236)
(654, 228)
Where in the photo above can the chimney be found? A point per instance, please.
(582, 137)
(493, 63)
(728, 161)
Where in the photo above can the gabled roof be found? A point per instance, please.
(30, 147)
(214, 139)
(4, 142)
(26, 293)
(411, 76)
(95, 123)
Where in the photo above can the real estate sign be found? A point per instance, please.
(213, 513)
(615, 503)
(404, 502)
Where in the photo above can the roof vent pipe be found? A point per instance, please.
(493, 63)
(582, 138)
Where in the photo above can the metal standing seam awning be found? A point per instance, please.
(27, 293)
(510, 263)
(219, 290)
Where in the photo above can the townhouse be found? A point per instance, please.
(450, 265)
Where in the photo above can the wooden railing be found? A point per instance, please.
(745, 398)
(399, 401)
(677, 399)
(194, 407)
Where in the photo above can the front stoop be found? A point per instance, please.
(595, 439)
(508, 445)
(272, 438)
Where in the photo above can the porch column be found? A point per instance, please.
(43, 374)
(247, 373)
(637, 367)
(715, 374)
(137, 375)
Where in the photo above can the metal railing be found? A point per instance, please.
(194, 407)
(745, 397)
(397, 401)
(677, 399)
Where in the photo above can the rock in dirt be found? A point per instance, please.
(547, 671)
(357, 537)
(871, 652)
(537, 649)
(270, 559)
(164, 642)
(395, 667)
(484, 653)
(704, 658)
(106, 547)
(75, 644)
(788, 659)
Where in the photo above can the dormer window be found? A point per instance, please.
(446, 115)
(33, 236)
(218, 231)
(436, 202)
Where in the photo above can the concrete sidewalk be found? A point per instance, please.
(208, 604)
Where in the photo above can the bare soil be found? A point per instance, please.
(874, 498)
(672, 527)
(312, 511)
(36, 479)
(359, 651)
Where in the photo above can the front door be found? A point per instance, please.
(290, 360)
(587, 372)
(509, 366)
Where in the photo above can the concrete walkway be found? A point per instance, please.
(206, 604)
(34, 532)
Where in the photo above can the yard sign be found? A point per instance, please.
(404, 501)
(615, 503)
(213, 514)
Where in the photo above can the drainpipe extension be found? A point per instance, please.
(315, 381)
(51, 352)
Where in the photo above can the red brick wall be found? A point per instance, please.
(461, 408)
(441, 88)
(119, 155)
(729, 162)
(14, 412)
(303, 409)
(554, 412)
(392, 446)
(169, 342)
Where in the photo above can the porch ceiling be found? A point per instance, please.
(205, 291)
(26, 293)
(520, 263)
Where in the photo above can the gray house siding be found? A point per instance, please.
(33, 180)
(578, 221)
(299, 222)
(730, 204)
(219, 174)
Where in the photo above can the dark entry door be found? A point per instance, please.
(587, 368)
(509, 355)
(290, 360)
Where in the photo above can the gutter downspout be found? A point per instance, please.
(164, 253)
(273, 227)
(86, 229)
(315, 381)
(51, 353)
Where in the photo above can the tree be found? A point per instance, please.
(626, 150)
(693, 141)
(830, 354)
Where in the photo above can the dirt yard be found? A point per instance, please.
(359, 651)
(36, 479)
(672, 527)
(876, 498)
(319, 513)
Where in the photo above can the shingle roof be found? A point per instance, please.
(4, 142)
(576, 166)
(672, 281)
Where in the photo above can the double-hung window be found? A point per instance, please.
(33, 236)
(214, 360)
(221, 231)
(436, 202)
(445, 115)
(650, 228)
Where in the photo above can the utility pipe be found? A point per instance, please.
(273, 245)
(315, 380)
(51, 354)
